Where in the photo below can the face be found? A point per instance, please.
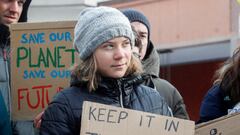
(113, 57)
(142, 30)
(10, 11)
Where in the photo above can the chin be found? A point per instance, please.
(118, 76)
(10, 21)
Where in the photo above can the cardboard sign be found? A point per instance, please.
(99, 119)
(226, 125)
(41, 57)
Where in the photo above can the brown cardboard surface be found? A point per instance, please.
(99, 119)
(226, 125)
(39, 25)
(41, 57)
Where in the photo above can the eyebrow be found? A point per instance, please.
(143, 32)
(126, 40)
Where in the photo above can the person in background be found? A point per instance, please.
(225, 92)
(11, 11)
(5, 126)
(108, 73)
(151, 64)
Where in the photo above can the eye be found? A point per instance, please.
(126, 43)
(142, 36)
(108, 46)
(21, 2)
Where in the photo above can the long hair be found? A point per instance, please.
(138, 42)
(87, 71)
(228, 75)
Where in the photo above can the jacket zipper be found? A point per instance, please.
(4, 51)
(120, 96)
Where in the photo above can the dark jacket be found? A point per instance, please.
(5, 56)
(215, 104)
(151, 65)
(5, 64)
(5, 126)
(63, 115)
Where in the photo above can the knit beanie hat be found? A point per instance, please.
(97, 25)
(136, 16)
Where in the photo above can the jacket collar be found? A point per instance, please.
(4, 35)
(151, 61)
(113, 87)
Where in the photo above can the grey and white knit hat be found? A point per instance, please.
(98, 25)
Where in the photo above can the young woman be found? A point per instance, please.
(225, 93)
(108, 73)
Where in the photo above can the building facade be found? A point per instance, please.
(192, 37)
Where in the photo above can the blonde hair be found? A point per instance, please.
(138, 42)
(228, 76)
(87, 71)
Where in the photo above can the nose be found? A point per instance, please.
(118, 53)
(14, 7)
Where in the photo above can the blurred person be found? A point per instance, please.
(108, 73)
(225, 92)
(11, 11)
(151, 64)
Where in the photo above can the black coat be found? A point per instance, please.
(151, 64)
(63, 115)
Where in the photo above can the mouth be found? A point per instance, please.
(10, 18)
(118, 65)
